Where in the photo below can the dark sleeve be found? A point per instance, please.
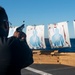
(22, 55)
(27, 54)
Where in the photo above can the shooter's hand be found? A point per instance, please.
(20, 35)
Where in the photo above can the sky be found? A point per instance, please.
(40, 12)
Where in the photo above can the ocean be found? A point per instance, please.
(66, 49)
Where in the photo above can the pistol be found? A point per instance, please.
(19, 29)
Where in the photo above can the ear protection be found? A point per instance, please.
(6, 24)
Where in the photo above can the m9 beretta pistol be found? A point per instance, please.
(20, 29)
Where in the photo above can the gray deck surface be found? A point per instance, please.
(48, 69)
